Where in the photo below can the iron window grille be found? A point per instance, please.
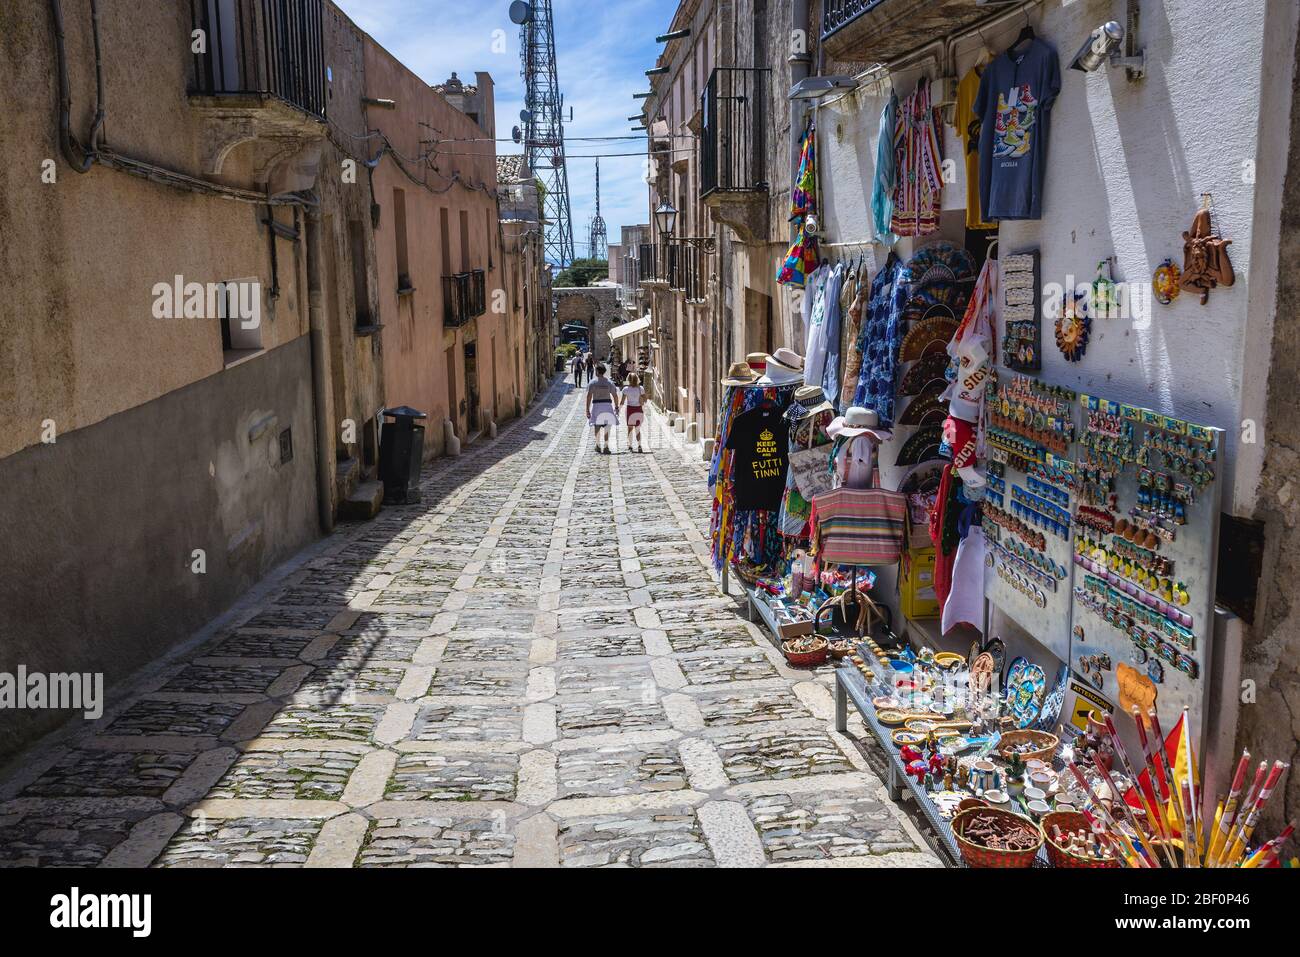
(263, 47)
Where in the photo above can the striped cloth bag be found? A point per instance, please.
(860, 526)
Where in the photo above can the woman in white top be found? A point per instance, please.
(632, 396)
(602, 409)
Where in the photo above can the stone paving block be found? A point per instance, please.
(577, 718)
(614, 769)
(340, 722)
(373, 647)
(596, 618)
(287, 776)
(437, 842)
(718, 613)
(293, 619)
(727, 709)
(615, 678)
(468, 722)
(241, 842)
(259, 645)
(486, 646)
(519, 621)
(670, 838)
(705, 637)
(496, 679)
(725, 669)
(756, 755)
(61, 839)
(110, 774)
(821, 826)
(152, 717)
(344, 682)
(222, 679)
(454, 776)
(396, 623)
(612, 643)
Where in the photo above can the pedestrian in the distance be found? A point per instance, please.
(632, 396)
(591, 366)
(578, 368)
(602, 410)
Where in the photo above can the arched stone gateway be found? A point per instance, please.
(595, 307)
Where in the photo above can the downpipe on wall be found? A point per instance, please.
(319, 370)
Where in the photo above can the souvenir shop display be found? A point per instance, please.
(1205, 255)
(1027, 507)
(1014, 106)
(1144, 555)
(1022, 321)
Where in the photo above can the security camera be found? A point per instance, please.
(1101, 43)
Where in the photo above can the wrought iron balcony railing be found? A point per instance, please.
(733, 136)
(464, 297)
(647, 263)
(262, 47)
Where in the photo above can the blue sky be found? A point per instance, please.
(603, 48)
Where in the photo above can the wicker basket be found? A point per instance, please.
(976, 855)
(838, 653)
(816, 656)
(1045, 744)
(1059, 856)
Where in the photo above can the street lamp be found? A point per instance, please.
(666, 218)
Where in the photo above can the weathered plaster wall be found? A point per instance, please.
(96, 574)
(1270, 719)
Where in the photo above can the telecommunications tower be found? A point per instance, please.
(598, 247)
(543, 124)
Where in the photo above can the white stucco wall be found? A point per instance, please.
(1127, 165)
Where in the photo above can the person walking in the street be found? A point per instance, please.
(591, 366)
(602, 410)
(578, 367)
(632, 396)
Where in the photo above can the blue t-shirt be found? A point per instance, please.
(1014, 105)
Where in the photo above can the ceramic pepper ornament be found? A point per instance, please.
(1205, 257)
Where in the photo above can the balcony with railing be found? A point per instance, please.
(879, 31)
(256, 50)
(734, 119)
(464, 298)
(686, 271)
(647, 264)
(259, 74)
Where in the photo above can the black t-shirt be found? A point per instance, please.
(760, 438)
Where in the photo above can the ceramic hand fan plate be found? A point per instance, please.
(1027, 697)
(921, 374)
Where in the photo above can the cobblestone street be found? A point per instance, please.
(533, 667)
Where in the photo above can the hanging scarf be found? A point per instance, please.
(801, 259)
(919, 158)
(882, 190)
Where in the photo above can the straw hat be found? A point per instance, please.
(809, 400)
(740, 374)
(858, 421)
(784, 367)
(757, 361)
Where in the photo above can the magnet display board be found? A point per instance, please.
(1143, 589)
(1028, 507)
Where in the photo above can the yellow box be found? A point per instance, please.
(917, 598)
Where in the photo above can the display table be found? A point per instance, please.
(851, 686)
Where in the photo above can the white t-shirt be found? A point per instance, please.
(633, 394)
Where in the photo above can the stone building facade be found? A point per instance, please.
(596, 307)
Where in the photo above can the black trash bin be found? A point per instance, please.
(401, 453)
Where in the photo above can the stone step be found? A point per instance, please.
(364, 502)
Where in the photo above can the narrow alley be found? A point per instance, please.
(533, 667)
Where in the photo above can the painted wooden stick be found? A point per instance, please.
(1223, 827)
(1252, 817)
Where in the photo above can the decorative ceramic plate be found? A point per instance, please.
(901, 738)
(1027, 700)
(890, 718)
(1017, 671)
(998, 649)
(1054, 701)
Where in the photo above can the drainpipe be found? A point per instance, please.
(799, 61)
(320, 377)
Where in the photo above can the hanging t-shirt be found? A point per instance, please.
(825, 327)
(968, 128)
(1014, 106)
(760, 439)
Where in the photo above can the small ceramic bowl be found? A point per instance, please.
(995, 797)
(1035, 794)
(1038, 809)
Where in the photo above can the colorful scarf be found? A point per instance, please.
(801, 259)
